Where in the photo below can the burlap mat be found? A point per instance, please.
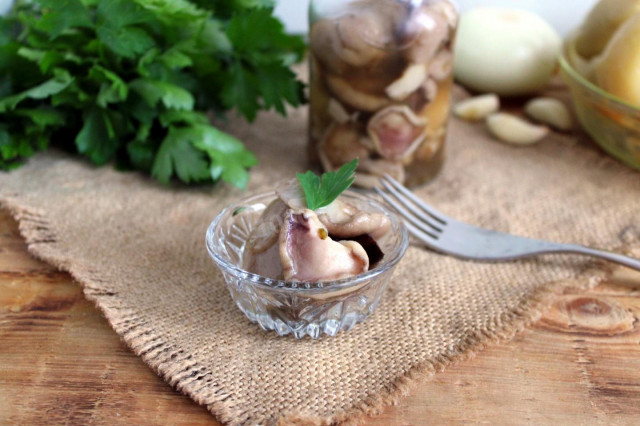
(138, 249)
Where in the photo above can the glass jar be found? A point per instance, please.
(381, 73)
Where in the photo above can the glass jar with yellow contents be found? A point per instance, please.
(380, 85)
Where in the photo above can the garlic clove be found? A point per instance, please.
(549, 111)
(478, 107)
(514, 130)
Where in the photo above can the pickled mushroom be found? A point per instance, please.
(396, 131)
(338, 113)
(355, 39)
(428, 33)
(372, 180)
(266, 263)
(290, 193)
(266, 233)
(341, 144)
(357, 99)
(381, 79)
(295, 243)
(448, 11)
(411, 79)
(430, 88)
(307, 252)
(261, 253)
(441, 66)
(361, 223)
(345, 221)
(380, 167)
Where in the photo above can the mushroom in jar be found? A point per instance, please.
(426, 33)
(441, 66)
(341, 144)
(338, 112)
(382, 83)
(357, 38)
(372, 170)
(412, 78)
(396, 131)
(353, 97)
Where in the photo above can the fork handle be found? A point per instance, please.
(602, 254)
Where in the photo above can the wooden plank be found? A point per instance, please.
(60, 362)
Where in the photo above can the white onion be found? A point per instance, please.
(505, 51)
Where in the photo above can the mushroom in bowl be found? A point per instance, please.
(303, 271)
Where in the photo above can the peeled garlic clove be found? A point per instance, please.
(505, 51)
(549, 111)
(477, 108)
(412, 78)
(514, 130)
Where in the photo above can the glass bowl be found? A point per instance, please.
(301, 308)
(611, 122)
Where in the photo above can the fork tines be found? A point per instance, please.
(420, 218)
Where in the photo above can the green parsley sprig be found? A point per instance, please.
(322, 191)
(129, 81)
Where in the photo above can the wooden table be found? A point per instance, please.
(60, 362)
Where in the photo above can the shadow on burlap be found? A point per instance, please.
(138, 250)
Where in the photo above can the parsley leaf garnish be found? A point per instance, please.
(322, 191)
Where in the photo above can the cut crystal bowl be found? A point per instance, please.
(301, 308)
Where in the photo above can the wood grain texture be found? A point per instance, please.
(60, 362)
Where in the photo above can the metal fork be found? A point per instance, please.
(458, 239)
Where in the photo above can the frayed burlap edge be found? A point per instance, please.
(43, 244)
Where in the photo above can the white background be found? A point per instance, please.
(564, 15)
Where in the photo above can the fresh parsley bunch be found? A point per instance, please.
(129, 80)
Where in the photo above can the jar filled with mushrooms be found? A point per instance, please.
(380, 85)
